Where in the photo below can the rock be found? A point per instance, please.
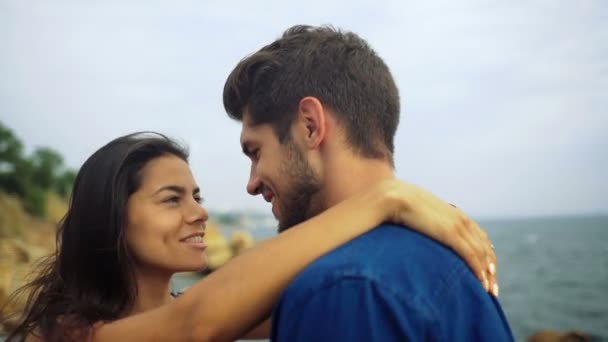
(12, 216)
(14, 251)
(40, 237)
(556, 336)
(18, 251)
(218, 249)
(23, 241)
(240, 241)
(6, 280)
(56, 207)
(12, 277)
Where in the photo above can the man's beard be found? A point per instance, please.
(302, 186)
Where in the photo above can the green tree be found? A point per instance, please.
(12, 164)
(30, 178)
(11, 148)
(65, 182)
(34, 201)
(47, 165)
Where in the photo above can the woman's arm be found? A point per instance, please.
(237, 297)
(260, 332)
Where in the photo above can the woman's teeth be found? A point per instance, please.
(196, 238)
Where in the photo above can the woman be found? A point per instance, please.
(135, 219)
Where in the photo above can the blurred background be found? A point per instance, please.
(504, 113)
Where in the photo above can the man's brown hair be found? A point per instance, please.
(337, 67)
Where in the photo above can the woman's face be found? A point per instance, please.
(166, 222)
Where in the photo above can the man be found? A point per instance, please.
(319, 111)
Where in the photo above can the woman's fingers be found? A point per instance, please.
(484, 247)
(470, 236)
(481, 247)
(467, 250)
(491, 260)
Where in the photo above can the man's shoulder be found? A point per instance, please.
(388, 250)
(398, 258)
(398, 284)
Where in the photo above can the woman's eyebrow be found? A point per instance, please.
(176, 188)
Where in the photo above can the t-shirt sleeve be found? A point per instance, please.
(351, 310)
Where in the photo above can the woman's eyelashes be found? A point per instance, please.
(176, 199)
(173, 199)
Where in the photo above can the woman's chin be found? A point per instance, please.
(179, 264)
(194, 267)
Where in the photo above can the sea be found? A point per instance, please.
(552, 272)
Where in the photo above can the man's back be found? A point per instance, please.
(390, 284)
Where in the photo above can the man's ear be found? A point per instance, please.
(312, 121)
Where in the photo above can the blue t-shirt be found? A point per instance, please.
(391, 284)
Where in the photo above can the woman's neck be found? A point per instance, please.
(153, 291)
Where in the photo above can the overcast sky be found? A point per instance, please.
(504, 104)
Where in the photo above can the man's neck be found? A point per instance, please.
(348, 176)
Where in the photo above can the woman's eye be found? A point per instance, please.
(172, 199)
(199, 200)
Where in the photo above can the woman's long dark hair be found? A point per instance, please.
(90, 277)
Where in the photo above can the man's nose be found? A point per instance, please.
(254, 185)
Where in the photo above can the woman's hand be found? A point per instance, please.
(420, 210)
